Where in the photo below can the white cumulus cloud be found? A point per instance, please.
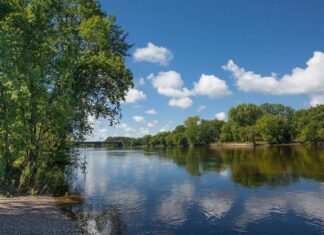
(138, 118)
(126, 128)
(220, 116)
(166, 127)
(143, 131)
(184, 102)
(201, 108)
(100, 134)
(316, 100)
(151, 111)
(170, 84)
(154, 54)
(133, 95)
(140, 82)
(211, 86)
(150, 124)
(309, 80)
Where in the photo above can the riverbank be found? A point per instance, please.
(251, 145)
(219, 145)
(33, 215)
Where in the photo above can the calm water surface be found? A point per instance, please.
(273, 190)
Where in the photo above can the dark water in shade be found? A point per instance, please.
(271, 190)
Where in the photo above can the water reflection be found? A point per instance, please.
(307, 204)
(216, 206)
(173, 208)
(272, 166)
(200, 191)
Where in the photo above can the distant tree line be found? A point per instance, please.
(265, 123)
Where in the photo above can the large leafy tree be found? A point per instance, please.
(309, 124)
(278, 109)
(61, 61)
(273, 129)
(209, 131)
(192, 129)
(244, 114)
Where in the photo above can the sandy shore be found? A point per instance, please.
(33, 215)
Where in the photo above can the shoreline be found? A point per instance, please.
(251, 145)
(213, 145)
(33, 215)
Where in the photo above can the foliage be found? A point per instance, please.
(192, 128)
(226, 133)
(270, 123)
(277, 109)
(273, 129)
(248, 134)
(60, 63)
(244, 114)
(309, 124)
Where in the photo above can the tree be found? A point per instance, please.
(248, 134)
(208, 131)
(320, 134)
(216, 128)
(308, 123)
(60, 63)
(204, 135)
(226, 133)
(159, 139)
(244, 114)
(191, 125)
(180, 129)
(147, 140)
(278, 109)
(273, 128)
(171, 139)
(309, 133)
(182, 140)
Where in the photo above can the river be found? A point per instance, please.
(266, 190)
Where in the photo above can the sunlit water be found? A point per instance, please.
(201, 191)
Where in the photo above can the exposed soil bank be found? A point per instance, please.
(33, 215)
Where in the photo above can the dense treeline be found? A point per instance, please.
(266, 123)
(60, 63)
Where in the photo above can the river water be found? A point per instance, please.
(267, 190)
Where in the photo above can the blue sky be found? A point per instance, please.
(204, 57)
